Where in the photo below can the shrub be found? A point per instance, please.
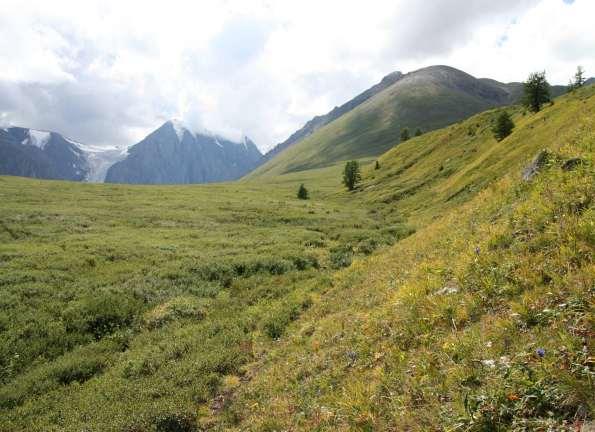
(177, 422)
(278, 319)
(341, 256)
(367, 246)
(302, 192)
(77, 369)
(102, 314)
(304, 262)
(176, 308)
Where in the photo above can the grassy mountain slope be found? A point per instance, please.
(319, 121)
(427, 175)
(175, 308)
(429, 98)
(480, 321)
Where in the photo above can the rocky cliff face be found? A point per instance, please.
(173, 154)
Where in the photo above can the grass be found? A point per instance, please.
(122, 306)
(480, 321)
(237, 306)
(431, 174)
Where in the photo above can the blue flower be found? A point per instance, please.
(540, 352)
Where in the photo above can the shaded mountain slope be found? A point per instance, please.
(32, 153)
(174, 155)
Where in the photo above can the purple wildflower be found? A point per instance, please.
(540, 352)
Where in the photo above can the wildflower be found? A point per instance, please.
(505, 361)
(540, 352)
(489, 363)
(513, 397)
(477, 250)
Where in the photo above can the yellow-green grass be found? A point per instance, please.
(430, 174)
(128, 306)
(134, 308)
(480, 321)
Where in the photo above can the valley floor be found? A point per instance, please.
(445, 294)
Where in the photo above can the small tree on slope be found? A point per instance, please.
(404, 134)
(503, 127)
(351, 175)
(579, 79)
(537, 91)
(302, 192)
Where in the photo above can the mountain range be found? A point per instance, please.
(365, 126)
(170, 154)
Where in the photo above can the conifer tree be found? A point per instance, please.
(404, 134)
(537, 91)
(303, 192)
(579, 79)
(503, 127)
(351, 175)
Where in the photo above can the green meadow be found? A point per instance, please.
(445, 293)
(152, 296)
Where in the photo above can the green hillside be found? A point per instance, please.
(480, 321)
(429, 98)
(416, 302)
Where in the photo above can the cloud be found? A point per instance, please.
(109, 72)
(445, 25)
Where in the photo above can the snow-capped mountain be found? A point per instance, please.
(175, 154)
(49, 155)
(41, 154)
(171, 154)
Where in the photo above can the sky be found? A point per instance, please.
(108, 72)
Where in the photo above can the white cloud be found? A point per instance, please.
(108, 72)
